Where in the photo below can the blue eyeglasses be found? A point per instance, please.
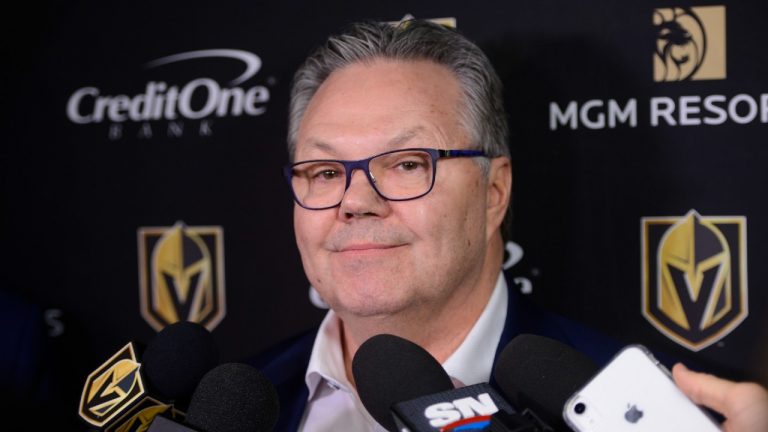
(397, 175)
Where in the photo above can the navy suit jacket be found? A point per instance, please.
(285, 365)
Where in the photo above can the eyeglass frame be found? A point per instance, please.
(363, 165)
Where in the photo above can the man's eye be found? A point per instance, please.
(411, 165)
(326, 174)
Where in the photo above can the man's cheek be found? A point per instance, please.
(304, 230)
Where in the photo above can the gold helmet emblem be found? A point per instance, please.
(695, 270)
(139, 417)
(182, 278)
(694, 276)
(111, 388)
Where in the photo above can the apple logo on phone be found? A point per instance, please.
(633, 414)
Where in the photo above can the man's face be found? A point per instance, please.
(370, 256)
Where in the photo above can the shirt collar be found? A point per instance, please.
(470, 364)
(327, 360)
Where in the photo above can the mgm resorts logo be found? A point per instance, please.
(198, 101)
(181, 270)
(694, 276)
(690, 45)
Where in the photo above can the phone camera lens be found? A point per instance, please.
(580, 408)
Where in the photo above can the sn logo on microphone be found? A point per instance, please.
(445, 414)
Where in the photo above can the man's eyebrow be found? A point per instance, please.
(404, 136)
(393, 143)
(322, 146)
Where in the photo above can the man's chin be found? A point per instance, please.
(367, 308)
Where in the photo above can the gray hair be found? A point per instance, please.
(483, 115)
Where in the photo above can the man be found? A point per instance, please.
(402, 181)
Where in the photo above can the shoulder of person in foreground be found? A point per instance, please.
(285, 366)
(287, 359)
(524, 315)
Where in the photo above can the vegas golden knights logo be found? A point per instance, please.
(111, 388)
(139, 418)
(690, 43)
(694, 276)
(181, 275)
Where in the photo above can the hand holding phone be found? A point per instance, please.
(634, 392)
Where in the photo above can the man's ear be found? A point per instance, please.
(498, 193)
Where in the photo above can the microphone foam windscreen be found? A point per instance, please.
(177, 358)
(233, 397)
(389, 369)
(541, 374)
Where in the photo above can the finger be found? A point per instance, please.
(704, 389)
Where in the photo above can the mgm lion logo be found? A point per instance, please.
(690, 43)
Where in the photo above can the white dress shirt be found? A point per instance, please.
(333, 404)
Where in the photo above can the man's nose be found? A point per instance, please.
(361, 199)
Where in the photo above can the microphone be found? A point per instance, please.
(540, 374)
(389, 369)
(126, 393)
(233, 397)
(405, 389)
(177, 358)
(163, 424)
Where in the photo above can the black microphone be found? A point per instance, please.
(540, 374)
(232, 397)
(405, 389)
(389, 369)
(176, 360)
(124, 393)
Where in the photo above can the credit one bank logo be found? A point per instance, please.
(690, 45)
(166, 109)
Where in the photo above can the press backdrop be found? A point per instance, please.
(142, 144)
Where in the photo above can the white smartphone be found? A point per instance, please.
(634, 392)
